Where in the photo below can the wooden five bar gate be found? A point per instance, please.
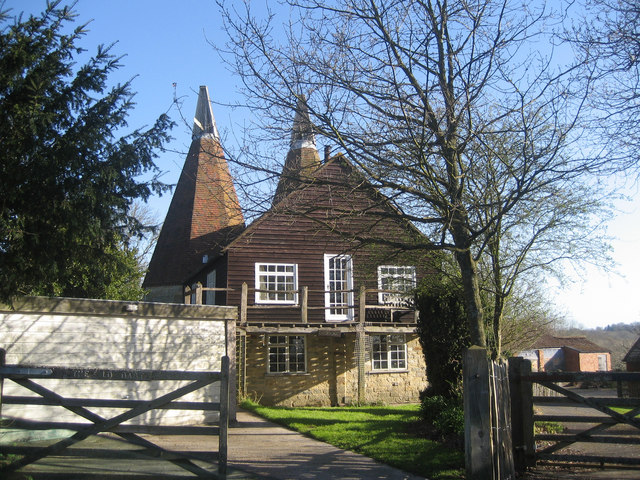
(25, 376)
(501, 412)
(528, 409)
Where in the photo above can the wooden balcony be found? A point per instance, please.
(395, 308)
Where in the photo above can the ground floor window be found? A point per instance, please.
(287, 354)
(389, 352)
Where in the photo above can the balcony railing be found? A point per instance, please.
(398, 303)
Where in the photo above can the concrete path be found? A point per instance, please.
(270, 451)
(258, 449)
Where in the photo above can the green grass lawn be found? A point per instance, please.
(387, 434)
(624, 410)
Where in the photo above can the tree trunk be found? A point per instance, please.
(475, 314)
(497, 320)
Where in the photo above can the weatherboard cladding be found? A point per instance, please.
(285, 235)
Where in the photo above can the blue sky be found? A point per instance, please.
(167, 42)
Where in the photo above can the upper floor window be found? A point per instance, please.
(397, 283)
(338, 285)
(276, 283)
(388, 352)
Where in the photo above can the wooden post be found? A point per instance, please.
(362, 300)
(244, 296)
(361, 345)
(198, 293)
(187, 295)
(619, 391)
(304, 304)
(524, 447)
(230, 334)
(477, 415)
(3, 360)
(224, 416)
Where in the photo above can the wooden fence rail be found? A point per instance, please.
(524, 416)
(500, 439)
(26, 376)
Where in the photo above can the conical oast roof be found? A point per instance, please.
(204, 210)
(303, 158)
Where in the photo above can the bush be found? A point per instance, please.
(444, 335)
(450, 420)
(445, 415)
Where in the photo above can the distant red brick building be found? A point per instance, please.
(568, 354)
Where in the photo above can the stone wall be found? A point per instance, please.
(114, 335)
(331, 377)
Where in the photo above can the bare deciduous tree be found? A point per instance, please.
(415, 94)
(608, 37)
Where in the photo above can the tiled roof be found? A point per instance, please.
(580, 344)
(204, 214)
(633, 355)
(303, 159)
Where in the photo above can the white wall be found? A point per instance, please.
(113, 335)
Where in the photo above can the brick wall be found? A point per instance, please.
(331, 377)
(589, 362)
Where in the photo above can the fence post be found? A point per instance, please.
(619, 391)
(3, 359)
(477, 415)
(198, 293)
(361, 345)
(524, 448)
(187, 295)
(230, 334)
(361, 336)
(224, 416)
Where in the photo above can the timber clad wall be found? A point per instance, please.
(331, 378)
(113, 335)
(303, 235)
(325, 218)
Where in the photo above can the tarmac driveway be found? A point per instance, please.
(583, 448)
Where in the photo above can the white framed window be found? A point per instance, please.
(287, 354)
(338, 285)
(396, 279)
(388, 352)
(276, 283)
